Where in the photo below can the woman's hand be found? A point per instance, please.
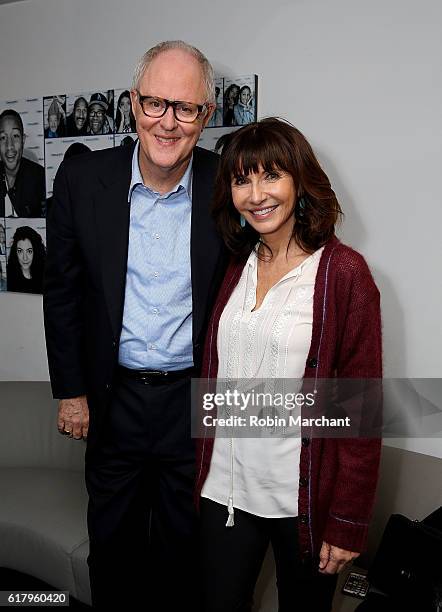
(332, 559)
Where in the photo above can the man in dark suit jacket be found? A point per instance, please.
(133, 265)
(22, 181)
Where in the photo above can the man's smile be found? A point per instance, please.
(167, 141)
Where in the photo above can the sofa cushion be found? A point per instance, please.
(81, 573)
(42, 523)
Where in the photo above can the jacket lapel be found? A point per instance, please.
(112, 221)
(205, 243)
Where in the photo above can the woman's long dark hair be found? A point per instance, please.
(274, 144)
(119, 116)
(14, 272)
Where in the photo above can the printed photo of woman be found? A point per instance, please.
(26, 261)
(124, 117)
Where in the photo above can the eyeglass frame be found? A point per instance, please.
(201, 107)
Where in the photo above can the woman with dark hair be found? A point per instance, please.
(295, 304)
(2, 239)
(231, 97)
(2, 278)
(124, 118)
(26, 261)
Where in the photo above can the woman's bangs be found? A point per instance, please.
(255, 151)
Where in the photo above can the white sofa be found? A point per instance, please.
(43, 498)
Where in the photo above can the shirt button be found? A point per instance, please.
(312, 362)
(156, 274)
(156, 236)
(155, 310)
(305, 441)
(303, 481)
(152, 347)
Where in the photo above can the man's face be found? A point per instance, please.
(165, 143)
(80, 114)
(53, 123)
(11, 143)
(96, 118)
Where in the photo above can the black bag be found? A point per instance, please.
(408, 563)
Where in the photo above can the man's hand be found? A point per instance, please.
(332, 559)
(73, 417)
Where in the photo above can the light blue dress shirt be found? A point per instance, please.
(157, 317)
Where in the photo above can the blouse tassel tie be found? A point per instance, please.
(230, 508)
(231, 519)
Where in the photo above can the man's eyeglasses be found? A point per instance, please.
(98, 113)
(187, 112)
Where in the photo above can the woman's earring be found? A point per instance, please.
(300, 207)
(242, 221)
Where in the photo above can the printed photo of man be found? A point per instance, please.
(76, 123)
(99, 122)
(22, 181)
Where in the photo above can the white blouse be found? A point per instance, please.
(260, 475)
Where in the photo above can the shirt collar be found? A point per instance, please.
(252, 262)
(137, 178)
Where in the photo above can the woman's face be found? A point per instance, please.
(25, 253)
(245, 95)
(266, 200)
(233, 94)
(125, 105)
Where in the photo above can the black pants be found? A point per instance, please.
(141, 517)
(232, 558)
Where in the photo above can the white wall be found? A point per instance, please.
(360, 79)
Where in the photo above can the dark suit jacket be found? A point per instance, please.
(87, 245)
(29, 189)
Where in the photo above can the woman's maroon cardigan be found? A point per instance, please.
(337, 476)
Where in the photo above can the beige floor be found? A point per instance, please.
(345, 603)
(266, 599)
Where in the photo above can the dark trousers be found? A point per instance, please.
(232, 558)
(141, 517)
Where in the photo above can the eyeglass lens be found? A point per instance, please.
(157, 107)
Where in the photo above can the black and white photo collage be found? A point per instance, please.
(37, 134)
(236, 105)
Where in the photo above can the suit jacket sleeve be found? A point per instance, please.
(62, 296)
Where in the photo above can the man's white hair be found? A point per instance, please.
(206, 67)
